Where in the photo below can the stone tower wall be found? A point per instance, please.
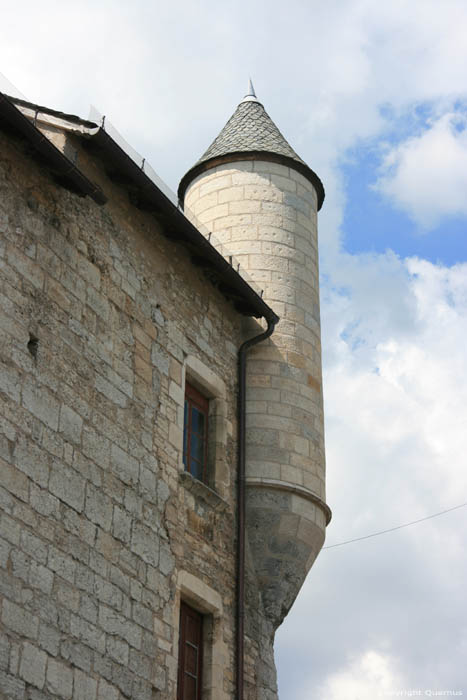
(264, 214)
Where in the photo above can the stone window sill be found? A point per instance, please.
(202, 491)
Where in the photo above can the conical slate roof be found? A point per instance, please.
(250, 134)
(250, 128)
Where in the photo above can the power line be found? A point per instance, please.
(399, 527)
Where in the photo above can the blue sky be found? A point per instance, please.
(372, 223)
(373, 97)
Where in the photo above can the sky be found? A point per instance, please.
(373, 96)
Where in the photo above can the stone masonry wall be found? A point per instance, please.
(98, 529)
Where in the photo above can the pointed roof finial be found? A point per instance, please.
(251, 94)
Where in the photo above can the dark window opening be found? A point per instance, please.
(190, 654)
(195, 433)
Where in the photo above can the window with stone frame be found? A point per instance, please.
(190, 654)
(195, 433)
(210, 397)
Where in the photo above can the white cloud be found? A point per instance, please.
(169, 76)
(395, 333)
(367, 677)
(395, 369)
(426, 175)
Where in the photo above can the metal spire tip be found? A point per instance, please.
(251, 94)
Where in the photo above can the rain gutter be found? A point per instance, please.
(272, 320)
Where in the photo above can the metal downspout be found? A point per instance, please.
(272, 321)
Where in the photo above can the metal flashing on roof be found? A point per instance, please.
(62, 168)
(53, 114)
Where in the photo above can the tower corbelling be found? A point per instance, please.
(260, 199)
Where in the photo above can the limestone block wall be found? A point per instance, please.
(264, 214)
(101, 531)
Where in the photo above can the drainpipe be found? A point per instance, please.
(271, 321)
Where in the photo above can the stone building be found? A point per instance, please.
(161, 443)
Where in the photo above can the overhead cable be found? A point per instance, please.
(398, 527)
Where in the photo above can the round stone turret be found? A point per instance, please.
(260, 200)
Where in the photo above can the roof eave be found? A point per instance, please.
(145, 195)
(177, 227)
